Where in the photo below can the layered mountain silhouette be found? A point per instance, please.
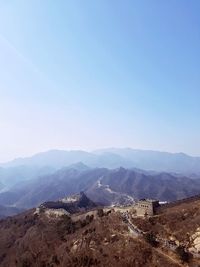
(101, 185)
(8, 211)
(109, 177)
(113, 158)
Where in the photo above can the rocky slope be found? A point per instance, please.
(179, 223)
(39, 240)
(75, 232)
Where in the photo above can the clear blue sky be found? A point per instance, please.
(92, 74)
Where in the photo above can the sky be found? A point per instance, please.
(95, 74)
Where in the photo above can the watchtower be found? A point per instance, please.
(146, 207)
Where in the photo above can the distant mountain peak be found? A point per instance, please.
(113, 158)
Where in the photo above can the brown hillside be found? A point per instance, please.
(35, 240)
(180, 221)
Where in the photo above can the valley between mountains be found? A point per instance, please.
(104, 186)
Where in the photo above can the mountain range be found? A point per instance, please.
(113, 158)
(108, 177)
(102, 185)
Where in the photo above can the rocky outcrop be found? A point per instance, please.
(195, 242)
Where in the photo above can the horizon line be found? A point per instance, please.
(95, 150)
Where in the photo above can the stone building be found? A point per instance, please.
(146, 207)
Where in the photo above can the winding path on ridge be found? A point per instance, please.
(135, 232)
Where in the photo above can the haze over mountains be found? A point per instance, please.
(109, 177)
(102, 185)
(52, 177)
(113, 158)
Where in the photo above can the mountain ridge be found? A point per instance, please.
(109, 187)
(101, 237)
(113, 158)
